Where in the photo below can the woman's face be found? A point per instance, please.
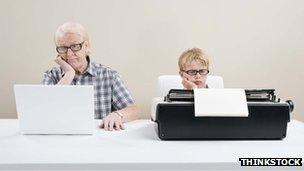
(77, 59)
(192, 68)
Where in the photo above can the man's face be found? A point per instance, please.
(76, 58)
(198, 79)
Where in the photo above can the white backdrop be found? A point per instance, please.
(252, 43)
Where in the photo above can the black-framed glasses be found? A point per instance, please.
(73, 47)
(193, 72)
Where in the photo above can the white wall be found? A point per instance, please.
(252, 43)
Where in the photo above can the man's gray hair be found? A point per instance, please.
(71, 27)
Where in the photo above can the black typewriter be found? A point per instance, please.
(261, 95)
(267, 120)
(252, 95)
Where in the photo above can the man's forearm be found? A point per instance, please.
(66, 79)
(129, 113)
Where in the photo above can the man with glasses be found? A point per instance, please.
(113, 102)
(193, 68)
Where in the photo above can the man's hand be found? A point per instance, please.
(188, 84)
(112, 122)
(67, 68)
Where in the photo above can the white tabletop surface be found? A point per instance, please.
(136, 147)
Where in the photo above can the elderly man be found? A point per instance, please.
(113, 102)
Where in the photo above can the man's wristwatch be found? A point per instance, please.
(119, 114)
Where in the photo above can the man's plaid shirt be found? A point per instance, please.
(110, 93)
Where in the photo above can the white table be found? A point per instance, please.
(136, 148)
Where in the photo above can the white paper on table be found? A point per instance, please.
(220, 102)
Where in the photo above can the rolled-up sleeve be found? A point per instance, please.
(120, 95)
(51, 77)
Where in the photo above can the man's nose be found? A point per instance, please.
(69, 52)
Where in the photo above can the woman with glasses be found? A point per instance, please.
(113, 102)
(193, 68)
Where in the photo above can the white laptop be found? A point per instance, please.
(55, 109)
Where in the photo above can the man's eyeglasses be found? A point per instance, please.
(74, 48)
(193, 72)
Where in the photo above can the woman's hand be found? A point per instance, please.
(112, 122)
